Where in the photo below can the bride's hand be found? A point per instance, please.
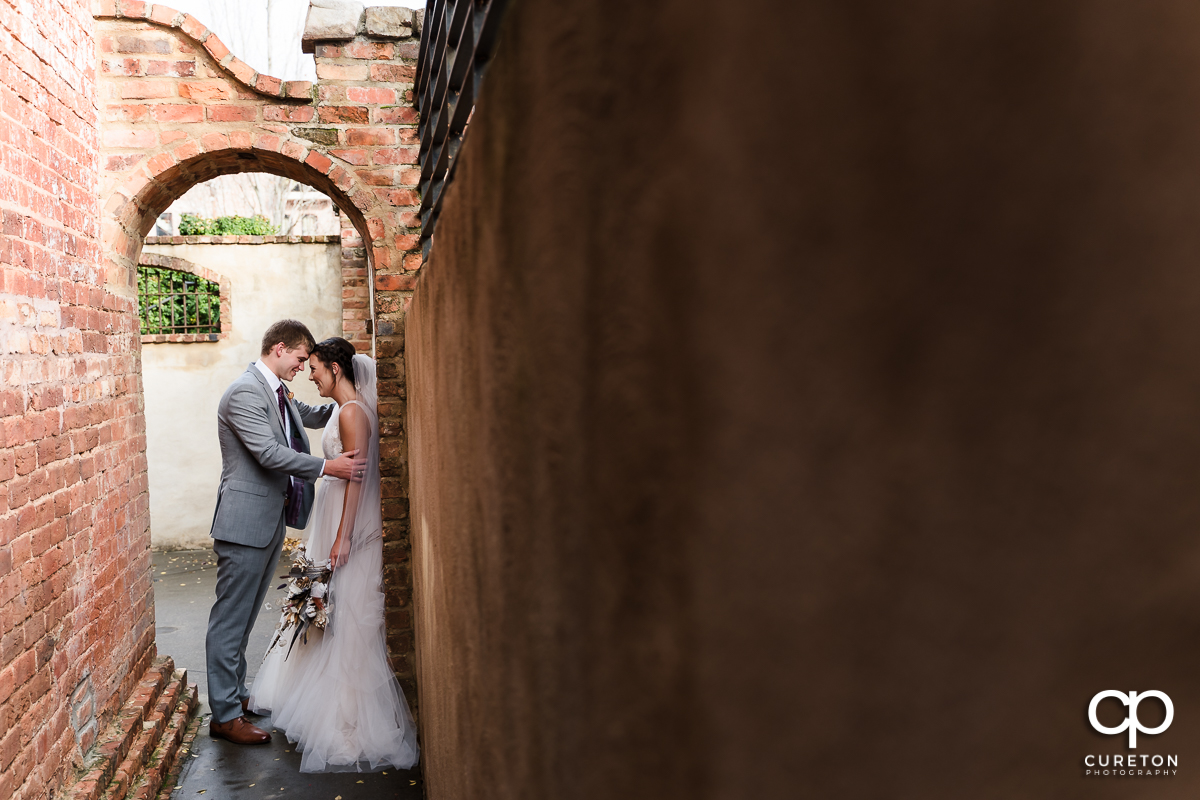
(339, 554)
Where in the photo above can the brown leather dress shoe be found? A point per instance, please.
(245, 704)
(238, 731)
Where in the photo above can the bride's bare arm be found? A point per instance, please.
(352, 426)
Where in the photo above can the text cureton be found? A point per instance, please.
(1131, 760)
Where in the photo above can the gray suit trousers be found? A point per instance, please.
(244, 576)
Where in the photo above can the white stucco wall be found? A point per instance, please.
(184, 382)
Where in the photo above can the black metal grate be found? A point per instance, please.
(170, 301)
(458, 38)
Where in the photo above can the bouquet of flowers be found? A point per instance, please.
(308, 603)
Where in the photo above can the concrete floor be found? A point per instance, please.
(184, 586)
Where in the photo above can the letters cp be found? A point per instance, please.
(1131, 721)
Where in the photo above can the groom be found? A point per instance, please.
(267, 478)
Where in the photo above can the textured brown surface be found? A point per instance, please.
(805, 402)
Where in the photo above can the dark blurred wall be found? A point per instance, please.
(805, 402)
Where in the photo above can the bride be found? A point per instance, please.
(336, 695)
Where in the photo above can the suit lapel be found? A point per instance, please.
(297, 427)
(272, 402)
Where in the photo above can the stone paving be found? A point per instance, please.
(184, 586)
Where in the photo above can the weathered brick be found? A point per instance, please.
(241, 71)
(127, 67)
(127, 112)
(187, 150)
(397, 115)
(206, 91)
(216, 48)
(173, 68)
(298, 89)
(393, 282)
(371, 94)
(266, 142)
(240, 139)
(143, 44)
(232, 113)
(319, 162)
(214, 141)
(176, 112)
(164, 15)
(130, 138)
(392, 73)
(377, 176)
(343, 72)
(356, 157)
(147, 89)
(288, 113)
(344, 114)
(193, 28)
(398, 155)
(370, 136)
(268, 85)
(368, 50)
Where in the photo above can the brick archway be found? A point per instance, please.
(139, 201)
(176, 108)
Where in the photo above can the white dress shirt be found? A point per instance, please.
(274, 383)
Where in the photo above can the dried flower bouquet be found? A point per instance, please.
(308, 602)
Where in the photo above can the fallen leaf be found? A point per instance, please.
(358, 781)
(250, 786)
(202, 791)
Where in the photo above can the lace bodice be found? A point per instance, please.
(331, 438)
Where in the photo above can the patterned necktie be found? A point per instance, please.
(295, 491)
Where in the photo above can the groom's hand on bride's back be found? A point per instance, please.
(346, 466)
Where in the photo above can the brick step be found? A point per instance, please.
(162, 761)
(141, 731)
(138, 760)
(111, 748)
(184, 749)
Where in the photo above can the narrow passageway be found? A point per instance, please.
(184, 586)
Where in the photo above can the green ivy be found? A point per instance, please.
(170, 301)
(194, 225)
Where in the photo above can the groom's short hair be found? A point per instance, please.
(289, 331)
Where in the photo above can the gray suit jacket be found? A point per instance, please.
(256, 460)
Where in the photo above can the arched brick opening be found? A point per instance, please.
(129, 218)
(176, 108)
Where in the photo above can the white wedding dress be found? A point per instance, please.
(336, 697)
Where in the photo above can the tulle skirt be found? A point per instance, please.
(336, 696)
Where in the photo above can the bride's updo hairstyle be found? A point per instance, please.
(336, 350)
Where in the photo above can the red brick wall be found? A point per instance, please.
(356, 289)
(76, 617)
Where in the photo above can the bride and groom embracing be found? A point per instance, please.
(334, 692)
